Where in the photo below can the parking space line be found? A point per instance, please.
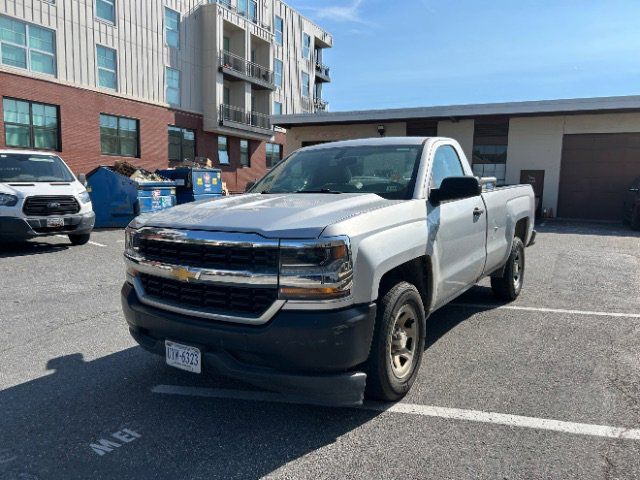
(91, 242)
(489, 306)
(422, 410)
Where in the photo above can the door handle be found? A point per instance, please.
(477, 212)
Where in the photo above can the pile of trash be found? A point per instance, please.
(136, 173)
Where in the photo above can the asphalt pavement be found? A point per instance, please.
(546, 387)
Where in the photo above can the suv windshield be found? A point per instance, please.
(22, 167)
(388, 171)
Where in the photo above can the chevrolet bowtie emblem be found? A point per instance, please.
(184, 274)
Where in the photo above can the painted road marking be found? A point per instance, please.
(546, 310)
(91, 242)
(422, 410)
(106, 445)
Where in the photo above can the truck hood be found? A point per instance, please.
(272, 216)
(26, 189)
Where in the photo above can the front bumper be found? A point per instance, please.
(311, 355)
(14, 228)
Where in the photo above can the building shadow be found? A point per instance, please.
(49, 424)
(577, 227)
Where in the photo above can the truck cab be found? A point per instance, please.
(40, 196)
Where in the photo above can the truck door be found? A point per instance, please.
(457, 231)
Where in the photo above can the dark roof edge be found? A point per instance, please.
(536, 107)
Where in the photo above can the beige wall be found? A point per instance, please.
(462, 131)
(327, 133)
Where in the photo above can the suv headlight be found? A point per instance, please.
(315, 269)
(7, 200)
(84, 197)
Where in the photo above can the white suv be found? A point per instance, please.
(40, 196)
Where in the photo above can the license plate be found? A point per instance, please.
(55, 222)
(183, 357)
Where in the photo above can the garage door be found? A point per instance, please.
(596, 171)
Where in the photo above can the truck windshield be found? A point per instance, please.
(22, 167)
(389, 171)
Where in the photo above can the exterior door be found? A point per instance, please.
(458, 228)
(535, 178)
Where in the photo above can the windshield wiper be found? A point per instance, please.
(321, 190)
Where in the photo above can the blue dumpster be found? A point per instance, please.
(117, 199)
(193, 184)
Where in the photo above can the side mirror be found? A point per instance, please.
(249, 186)
(456, 188)
(82, 178)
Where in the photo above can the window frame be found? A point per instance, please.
(306, 94)
(166, 28)
(98, 68)
(114, 3)
(245, 156)
(274, 107)
(271, 154)
(167, 87)
(32, 127)
(182, 131)
(28, 48)
(306, 50)
(278, 67)
(118, 136)
(226, 150)
(276, 31)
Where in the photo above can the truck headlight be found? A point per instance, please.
(84, 197)
(131, 246)
(315, 269)
(7, 200)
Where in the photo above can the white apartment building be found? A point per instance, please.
(213, 70)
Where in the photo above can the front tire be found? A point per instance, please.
(509, 286)
(81, 239)
(635, 218)
(398, 344)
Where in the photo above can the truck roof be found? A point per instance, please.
(362, 142)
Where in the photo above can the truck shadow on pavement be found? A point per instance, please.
(49, 424)
(25, 249)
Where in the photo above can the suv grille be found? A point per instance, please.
(219, 298)
(50, 205)
(260, 259)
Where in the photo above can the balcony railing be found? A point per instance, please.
(320, 105)
(322, 69)
(229, 113)
(247, 14)
(252, 70)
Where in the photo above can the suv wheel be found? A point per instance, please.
(509, 286)
(398, 343)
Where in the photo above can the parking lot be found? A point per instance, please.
(547, 387)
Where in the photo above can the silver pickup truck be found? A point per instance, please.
(318, 281)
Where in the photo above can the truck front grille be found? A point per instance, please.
(200, 255)
(43, 206)
(205, 296)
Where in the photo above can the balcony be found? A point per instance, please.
(322, 73)
(250, 15)
(237, 117)
(320, 105)
(237, 68)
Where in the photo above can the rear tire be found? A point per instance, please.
(509, 286)
(79, 239)
(398, 344)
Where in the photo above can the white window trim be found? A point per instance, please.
(304, 94)
(281, 73)
(29, 49)
(275, 25)
(104, 20)
(306, 57)
(164, 30)
(166, 86)
(98, 68)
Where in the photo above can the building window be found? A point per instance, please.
(119, 136)
(306, 46)
(306, 85)
(277, 76)
(172, 78)
(107, 67)
(172, 27)
(106, 10)
(244, 153)
(277, 108)
(274, 154)
(31, 125)
(242, 7)
(253, 11)
(223, 150)
(182, 144)
(279, 30)
(27, 46)
(490, 141)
